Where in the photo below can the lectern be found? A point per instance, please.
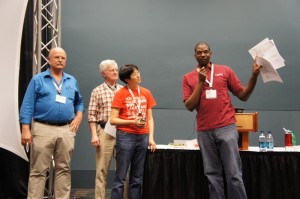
(246, 123)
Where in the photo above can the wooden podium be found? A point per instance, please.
(246, 123)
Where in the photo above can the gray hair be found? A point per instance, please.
(106, 63)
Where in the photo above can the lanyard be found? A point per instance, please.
(210, 83)
(58, 88)
(138, 102)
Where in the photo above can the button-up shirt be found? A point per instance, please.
(40, 100)
(100, 102)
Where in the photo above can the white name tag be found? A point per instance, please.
(61, 99)
(211, 94)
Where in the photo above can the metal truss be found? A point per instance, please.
(46, 31)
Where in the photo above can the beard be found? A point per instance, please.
(203, 62)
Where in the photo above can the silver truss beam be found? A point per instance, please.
(46, 31)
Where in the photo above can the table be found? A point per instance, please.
(178, 174)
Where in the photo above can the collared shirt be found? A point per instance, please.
(40, 99)
(100, 102)
(219, 112)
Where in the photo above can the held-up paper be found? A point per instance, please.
(268, 71)
(267, 55)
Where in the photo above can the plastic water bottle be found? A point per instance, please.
(270, 141)
(294, 140)
(262, 142)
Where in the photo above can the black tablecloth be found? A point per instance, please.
(178, 174)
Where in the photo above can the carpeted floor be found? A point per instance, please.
(86, 194)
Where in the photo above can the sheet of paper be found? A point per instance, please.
(273, 56)
(110, 129)
(267, 72)
(267, 55)
(261, 47)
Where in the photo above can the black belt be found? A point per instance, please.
(53, 123)
(102, 124)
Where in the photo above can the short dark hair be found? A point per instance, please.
(202, 43)
(125, 71)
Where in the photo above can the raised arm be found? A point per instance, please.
(194, 100)
(248, 89)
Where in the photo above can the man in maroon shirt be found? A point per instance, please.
(206, 90)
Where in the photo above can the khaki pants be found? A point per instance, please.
(48, 141)
(104, 156)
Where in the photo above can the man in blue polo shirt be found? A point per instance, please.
(50, 115)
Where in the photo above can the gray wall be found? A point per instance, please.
(159, 36)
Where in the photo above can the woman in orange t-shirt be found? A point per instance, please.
(131, 112)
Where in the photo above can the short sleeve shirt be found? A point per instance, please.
(129, 110)
(219, 112)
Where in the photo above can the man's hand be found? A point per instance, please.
(26, 137)
(95, 141)
(202, 74)
(255, 68)
(76, 122)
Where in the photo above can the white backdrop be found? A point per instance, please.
(12, 13)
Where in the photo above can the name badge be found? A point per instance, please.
(61, 99)
(211, 94)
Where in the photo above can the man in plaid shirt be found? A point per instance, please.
(98, 114)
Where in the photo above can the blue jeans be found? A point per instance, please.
(131, 150)
(219, 149)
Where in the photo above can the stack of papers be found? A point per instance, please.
(267, 55)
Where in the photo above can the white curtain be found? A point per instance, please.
(12, 13)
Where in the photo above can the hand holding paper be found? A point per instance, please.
(267, 55)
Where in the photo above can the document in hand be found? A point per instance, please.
(267, 55)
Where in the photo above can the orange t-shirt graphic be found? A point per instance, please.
(130, 108)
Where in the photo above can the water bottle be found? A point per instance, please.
(270, 141)
(262, 142)
(294, 140)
